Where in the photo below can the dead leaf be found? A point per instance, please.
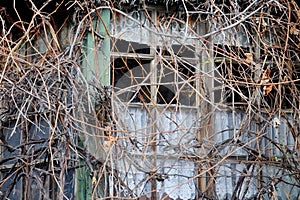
(294, 30)
(267, 89)
(249, 58)
(265, 77)
(265, 80)
(107, 144)
(94, 180)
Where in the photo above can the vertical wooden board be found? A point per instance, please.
(226, 130)
(178, 128)
(128, 127)
(286, 188)
(128, 118)
(224, 182)
(279, 138)
(220, 125)
(65, 34)
(189, 121)
(94, 65)
(266, 147)
(165, 132)
(290, 140)
(231, 115)
(239, 131)
(249, 185)
(164, 121)
(234, 37)
(175, 129)
(252, 134)
(137, 182)
(180, 183)
(138, 128)
(283, 131)
(227, 179)
(172, 125)
(103, 60)
(246, 135)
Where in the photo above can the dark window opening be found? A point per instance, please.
(234, 52)
(239, 76)
(164, 95)
(286, 95)
(34, 180)
(14, 11)
(175, 83)
(237, 90)
(235, 73)
(124, 46)
(123, 65)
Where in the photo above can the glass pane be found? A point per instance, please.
(183, 50)
(131, 75)
(175, 83)
(124, 46)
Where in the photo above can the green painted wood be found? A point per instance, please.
(84, 183)
(96, 65)
(98, 50)
(104, 54)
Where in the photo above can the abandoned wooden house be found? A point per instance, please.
(149, 99)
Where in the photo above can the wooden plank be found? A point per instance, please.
(97, 65)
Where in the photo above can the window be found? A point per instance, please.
(233, 74)
(35, 159)
(156, 80)
(247, 73)
(151, 76)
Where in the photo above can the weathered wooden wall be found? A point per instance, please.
(173, 133)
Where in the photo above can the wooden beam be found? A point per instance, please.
(95, 66)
